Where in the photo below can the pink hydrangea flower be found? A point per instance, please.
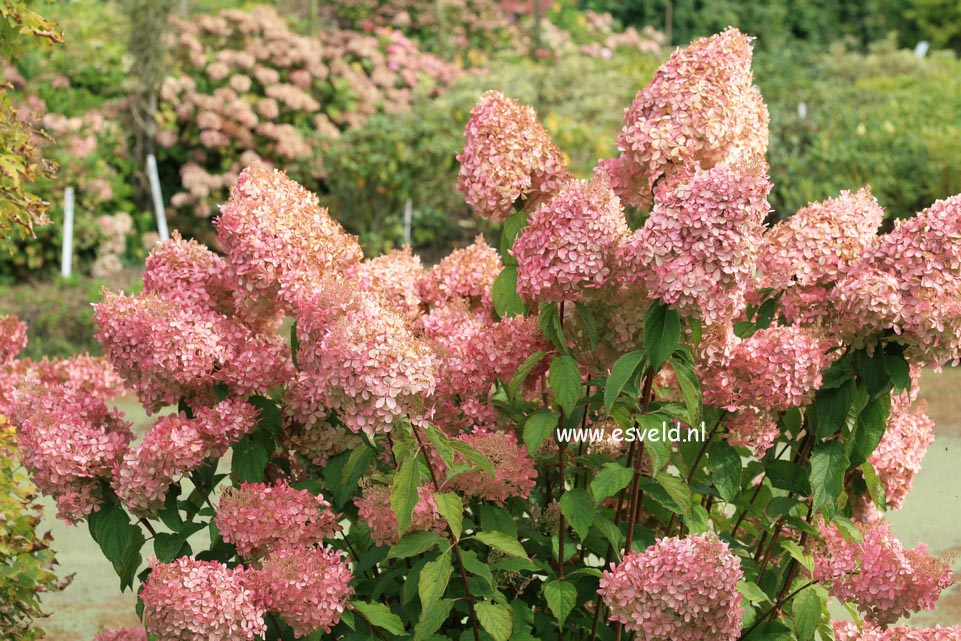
(700, 109)
(849, 631)
(677, 590)
(13, 338)
(924, 254)
(186, 272)
(394, 277)
(124, 634)
(258, 518)
(508, 156)
(176, 445)
(189, 599)
(898, 456)
(514, 469)
(307, 587)
(696, 251)
(865, 302)
(69, 442)
(821, 242)
(569, 242)
(878, 574)
(163, 350)
(361, 360)
(754, 429)
(374, 511)
(467, 272)
(279, 243)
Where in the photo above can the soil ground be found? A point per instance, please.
(932, 514)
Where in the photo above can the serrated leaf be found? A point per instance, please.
(797, 553)
(166, 547)
(831, 407)
(623, 370)
(662, 333)
(414, 543)
(538, 428)
(828, 464)
(564, 380)
(725, 465)
(111, 529)
(590, 323)
(875, 487)
(609, 480)
(807, 614)
(690, 390)
(432, 619)
(504, 294)
(469, 452)
(870, 427)
(512, 227)
(496, 619)
(578, 508)
(561, 598)
(503, 542)
(249, 460)
(451, 508)
(433, 580)
(380, 615)
(403, 494)
(752, 592)
(356, 465)
(523, 372)
(678, 490)
(441, 443)
(476, 567)
(610, 531)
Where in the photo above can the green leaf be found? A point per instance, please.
(564, 380)
(578, 508)
(432, 619)
(611, 479)
(249, 460)
(678, 490)
(476, 567)
(590, 323)
(469, 452)
(451, 508)
(662, 333)
(130, 563)
(875, 486)
(441, 443)
(561, 598)
(496, 619)
(503, 542)
(403, 494)
(167, 547)
(725, 464)
(752, 592)
(897, 367)
(828, 464)
(356, 465)
(610, 531)
(690, 390)
(831, 407)
(623, 370)
(434, 579)
(538, 428)
(798, 554)
(504, 294)
(380, 615)
(294, 344)
(807, 614)
(111, 529)
(870, 427)
(414, 543)
(523, 372)
(512, 227)
(549, 321)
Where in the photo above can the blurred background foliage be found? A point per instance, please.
(851, 104)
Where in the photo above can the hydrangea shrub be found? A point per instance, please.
(407, 463)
